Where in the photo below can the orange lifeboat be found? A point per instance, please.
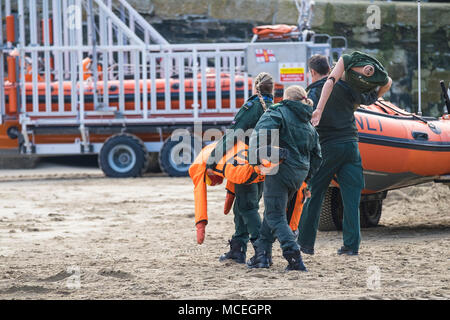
(129, 93)
(400, 149)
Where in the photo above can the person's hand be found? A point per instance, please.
(306, 195)
(264, 170)
(212, 179)
(315, 119)
(382, 90)
(14, 53)
(201, 231)
(228, 202)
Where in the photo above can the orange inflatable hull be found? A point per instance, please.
(399, 149)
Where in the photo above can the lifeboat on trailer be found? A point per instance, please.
(399, 148)
(160, 85)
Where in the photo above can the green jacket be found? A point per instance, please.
(361, 82)
(246, 118)
(337, 123)
(296, 134)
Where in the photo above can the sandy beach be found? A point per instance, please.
(78, 235)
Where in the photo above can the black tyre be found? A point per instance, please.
(332, 211)
(123, 155)
(370, 213)
(177, 155)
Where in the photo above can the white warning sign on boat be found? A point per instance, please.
(292, 71)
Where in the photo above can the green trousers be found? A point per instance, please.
(247, 220)
(344, 161)
(275, 224)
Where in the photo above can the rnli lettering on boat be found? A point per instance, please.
(365, 123)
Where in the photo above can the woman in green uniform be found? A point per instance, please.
(247, 220)
(290, 118)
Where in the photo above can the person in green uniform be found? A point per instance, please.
(339, 140)
(362, 72)
(290, 120)
(247, 220)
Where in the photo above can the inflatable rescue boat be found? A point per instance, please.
(399, 148)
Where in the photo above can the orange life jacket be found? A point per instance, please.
(87, 65)
(29, 74)
(234, 167)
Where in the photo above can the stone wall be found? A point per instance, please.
(394, 44)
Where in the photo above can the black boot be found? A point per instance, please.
(347, 251)
(236, 253)
(307, 250)
(269, 255)
(294, 259)
(260, 260)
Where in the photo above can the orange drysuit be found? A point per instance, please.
(234, 167)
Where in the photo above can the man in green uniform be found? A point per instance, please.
(247, 220)
(339, 142)
(291, 119)
(362, 72)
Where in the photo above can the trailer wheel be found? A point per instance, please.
(370, 213)
(122, 156)
(332, 211)
(176, 156)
